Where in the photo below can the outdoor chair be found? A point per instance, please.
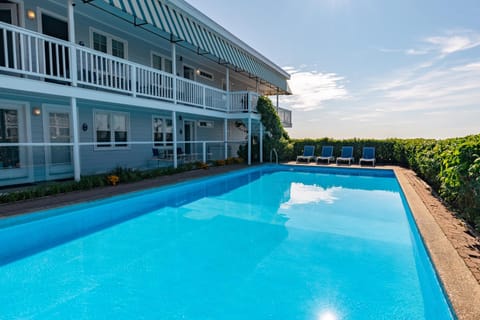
(308, 154)
(327, 154)
(158, 154)
(368, 155)
(346, 155)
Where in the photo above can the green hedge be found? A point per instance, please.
(451, 166)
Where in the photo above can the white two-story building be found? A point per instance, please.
(90, 85)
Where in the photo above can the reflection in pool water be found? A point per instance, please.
(302, 194)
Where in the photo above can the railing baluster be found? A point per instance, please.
(113, 65)
(14, 48)
(121, 71)
(5, 48)
(110, 74)
(82, 65)
(57, 56)
(30, 53)
(133, 74)
(65, 56)
(37, 53)
(149, 82)
(22, 51)
(101, 71)
(50, 51)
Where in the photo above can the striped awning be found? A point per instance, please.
(176, 25)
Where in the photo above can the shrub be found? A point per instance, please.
(219, 163)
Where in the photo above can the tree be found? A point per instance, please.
(274, 137)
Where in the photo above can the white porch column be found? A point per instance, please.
(261, 143)
(225, 136)
(174, 71)
(204, 152)
(71, 37)
(174, 123)
(249, 139)
(76, 140)
(227, 85)
(277, 101)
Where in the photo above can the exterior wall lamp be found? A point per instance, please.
(36, 111)
(31, 14)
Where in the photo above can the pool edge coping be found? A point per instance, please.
(460, 285)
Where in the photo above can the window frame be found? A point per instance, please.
(112, 145)
(205, 75)
(165, 143)
(109, 37)
(163, 57)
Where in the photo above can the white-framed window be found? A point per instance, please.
(107, 43)
(205, 74)
(162, 131)
(9, 133)
(188, 72)
(111, 129)
(161, 62)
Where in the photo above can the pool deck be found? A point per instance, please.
(453, 248)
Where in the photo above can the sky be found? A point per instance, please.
(367, 68)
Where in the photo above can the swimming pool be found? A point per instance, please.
(271, 242)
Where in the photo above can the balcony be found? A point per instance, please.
(36, 56)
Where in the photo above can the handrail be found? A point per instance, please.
(276, 155)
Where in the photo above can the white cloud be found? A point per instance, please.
(311, 89)
(416, 52)
(454, 43)
(450, 42)
(436, 88)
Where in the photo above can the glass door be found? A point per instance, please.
(13, 156)
(189, 130)
(55, 56)
(58, 157)
(8, 14)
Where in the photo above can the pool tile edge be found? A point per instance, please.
(461, 286)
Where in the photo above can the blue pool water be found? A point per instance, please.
(265, 243)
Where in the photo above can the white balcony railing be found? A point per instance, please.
(285, 116)
(31, 54)
(243, 101)
(37, 56)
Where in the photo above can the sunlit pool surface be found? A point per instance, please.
(265, 243)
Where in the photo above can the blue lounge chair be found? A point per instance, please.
(327, 154)
(308, 154)
(346, 155)
(368, 155)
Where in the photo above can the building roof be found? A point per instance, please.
(179, 22)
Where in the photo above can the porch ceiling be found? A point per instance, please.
(171, 23)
